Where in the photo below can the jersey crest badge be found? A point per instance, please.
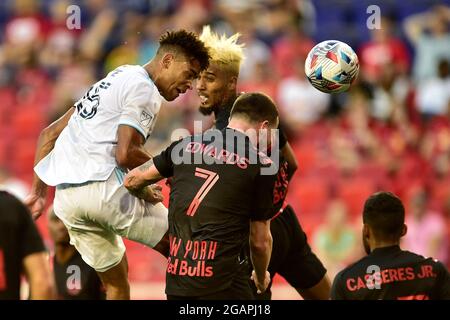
(146, 118)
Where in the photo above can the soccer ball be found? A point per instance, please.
(332, 66)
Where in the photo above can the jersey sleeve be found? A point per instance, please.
(337, 292)
(263, 197)
(164, 161)
(140, 105)
(442, 291)
(31, 241)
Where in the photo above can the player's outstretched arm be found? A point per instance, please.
(46, 142)
(260, 252)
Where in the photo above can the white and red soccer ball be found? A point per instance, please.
(332, 66)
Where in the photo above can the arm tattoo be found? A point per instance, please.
(144, 167)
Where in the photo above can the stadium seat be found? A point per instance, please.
(22, 157)
(354, 193)
(440, 193)
(306, 155)
(308, 196)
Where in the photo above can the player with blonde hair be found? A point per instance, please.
(292, 257)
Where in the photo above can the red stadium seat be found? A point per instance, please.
(308, 195)
(354, 193)
(4, 152)
(27, 122)
(306, 155)
(440, 193)
(22, 157)
(145, 264)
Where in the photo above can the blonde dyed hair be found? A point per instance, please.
(223, 50)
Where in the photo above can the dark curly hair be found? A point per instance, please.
(188, 43)
(385, 214)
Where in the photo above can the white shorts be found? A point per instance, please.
(98, 213)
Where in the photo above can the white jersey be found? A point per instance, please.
(85, 149)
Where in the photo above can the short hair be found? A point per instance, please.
(385, 214)
(223, 50)
(256, 107)
(188, 43)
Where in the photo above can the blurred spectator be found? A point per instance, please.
(335, 240)
(352, 142)
(426, 229)
(383, 50)
(432, 46)
(58, 50)
(434, 148)
(153, 28)
(447, 217)
(24, 34)
(256, 53)
(389, 92)
(262, 79)
(16, 187)
(27, 23)
(294, 46)
(190, 15)
(70, 85)
(92, 41)
(433, 94)
(299, 102)
(126, 53)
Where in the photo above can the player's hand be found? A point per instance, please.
(155, 193)
(261, 284)
(35, 204)
(150, 193)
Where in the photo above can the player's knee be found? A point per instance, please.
(117, 276)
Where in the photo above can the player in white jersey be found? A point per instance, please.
(86, 153)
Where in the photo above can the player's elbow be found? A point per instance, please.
(49, 133)
(122, 157)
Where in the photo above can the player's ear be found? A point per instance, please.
(366, 231)
(232, 83)
(404, 230)
(166, 60)
(264, 125)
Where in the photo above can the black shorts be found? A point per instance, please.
(292, 257)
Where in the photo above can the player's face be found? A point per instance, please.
(214, 87)
(180, 74)
(58, 231)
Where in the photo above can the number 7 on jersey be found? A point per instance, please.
(211, 179)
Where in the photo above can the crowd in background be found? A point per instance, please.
(391, 131)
